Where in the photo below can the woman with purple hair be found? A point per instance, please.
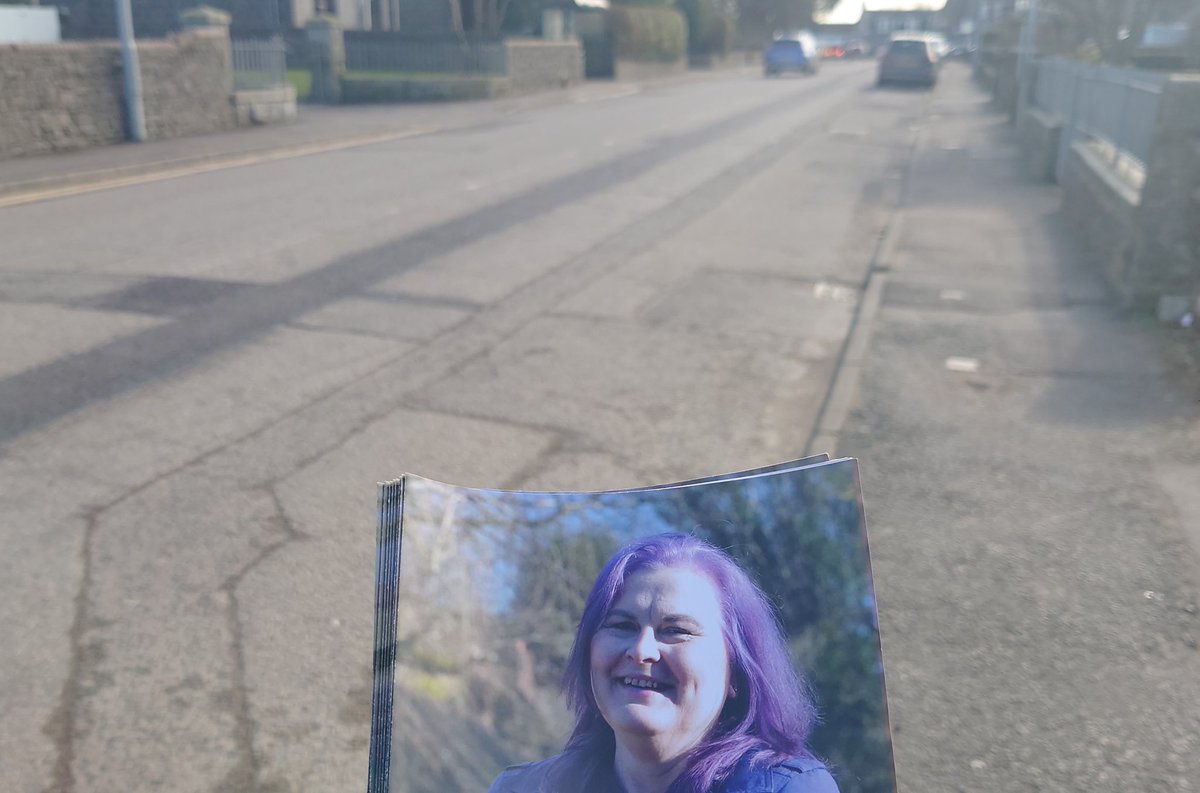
(681, 683)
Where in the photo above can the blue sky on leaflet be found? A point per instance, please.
(490, 549)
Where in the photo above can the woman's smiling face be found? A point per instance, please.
(659, 662)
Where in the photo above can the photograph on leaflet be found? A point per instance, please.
(535, 641)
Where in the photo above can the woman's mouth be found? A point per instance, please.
(644, 683)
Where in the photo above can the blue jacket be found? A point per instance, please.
(792, 776)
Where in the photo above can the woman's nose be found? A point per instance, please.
(645, 647)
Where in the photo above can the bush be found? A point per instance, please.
(649, 33)
(367, 86)
(710, 32)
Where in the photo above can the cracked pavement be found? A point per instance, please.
(216, 370)
(592, 295)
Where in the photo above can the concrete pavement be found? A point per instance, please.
(1031, 459)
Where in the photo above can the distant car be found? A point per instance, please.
(909, 60)
(791, 54)
(937, 41)
(857, 48)
(941, 45)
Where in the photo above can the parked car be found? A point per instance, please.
(830, 45)
(941, 45)
(795, 53)
(857, 48)
(908, 60)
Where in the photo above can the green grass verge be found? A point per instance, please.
(372, 74)
(301, 80)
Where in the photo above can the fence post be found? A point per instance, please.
(1070, 120)
(327, 58)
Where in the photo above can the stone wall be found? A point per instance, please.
(1140, 226)
(187, 82)
(65, 96)
(1102, 209)
(996, 71)
(59, 96)
(265, 106)
(1165, 259)
(536, 65)
(629, 70)
(1039, 134)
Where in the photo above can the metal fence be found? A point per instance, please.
(1118, 107)
(259, 63)
(387, 52)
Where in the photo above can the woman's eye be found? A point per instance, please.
(621, 625)
(674, 631)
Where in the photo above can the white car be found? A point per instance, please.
(937, 42)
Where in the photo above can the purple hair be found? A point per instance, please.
(769, 719)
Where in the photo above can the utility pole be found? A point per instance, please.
(133, 73)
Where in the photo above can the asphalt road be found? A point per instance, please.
(215, 370)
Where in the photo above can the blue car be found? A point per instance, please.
(791, 54)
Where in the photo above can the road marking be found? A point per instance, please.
(232, 161)
(957, 363)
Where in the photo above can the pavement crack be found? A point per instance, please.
(63, 725)
(536, 467)
(344, 331)
(246, 773)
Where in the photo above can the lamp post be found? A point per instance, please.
(133, 74)
(1026, 51)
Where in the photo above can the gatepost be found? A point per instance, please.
(327, 58)
(211, 23)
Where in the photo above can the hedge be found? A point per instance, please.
(649, 33)
(710, 31)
